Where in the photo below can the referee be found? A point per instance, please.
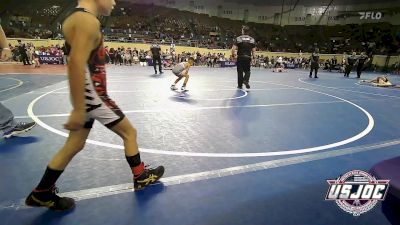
(22, 52)
(245, 46)
(362, 59)
(156, 53)
(314, 60)
(350, 61)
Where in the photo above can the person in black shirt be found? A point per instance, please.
(65, 55)
(266, 61)
(118, 57)
(112, 55)
(22, 52)
(334, 61)
(314, 60)
(362, 59)
(156, 53)
(350, 61)
(333, 64)
(142, 58)
(245, 46)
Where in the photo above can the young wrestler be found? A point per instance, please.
(181, 70)
(90, 102)
(381, 81)
(35, 60)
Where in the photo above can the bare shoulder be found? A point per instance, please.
(81, 24)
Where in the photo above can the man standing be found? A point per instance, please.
(362, 59)
(314, 60)
(22, 52)
(245, 46)
(350, 61)
(156, 53)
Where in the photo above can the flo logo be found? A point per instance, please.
(370, 15)
(357, 192)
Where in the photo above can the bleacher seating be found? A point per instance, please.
(132, 22)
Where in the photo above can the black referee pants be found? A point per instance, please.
(243, 66)
(314, 67)
(348, 69)
(155, 61)
(360, 68)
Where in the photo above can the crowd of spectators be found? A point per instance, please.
(27, 52)
(126, 56)
(142, 23)
(131, 22)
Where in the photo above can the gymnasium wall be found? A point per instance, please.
(379, 60)
(303, 14)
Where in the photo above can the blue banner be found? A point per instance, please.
(227, 63)
(290, 66)
(48, 59)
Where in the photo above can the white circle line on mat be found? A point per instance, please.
(358, 136)
(20, 82)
